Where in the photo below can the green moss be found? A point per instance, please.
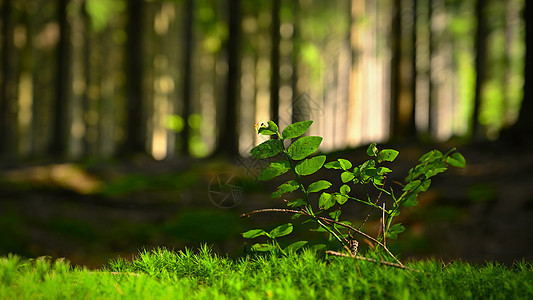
(163, 274)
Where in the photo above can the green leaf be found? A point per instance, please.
(304, 147)
(287, 187)
(347, 176)
(345, 189)
(339, 198)
(296, 203)
(319, 229)
(326, 201)
(318, 186)
(456, 160)
(250, 234)
(333, 165)
(372, 150)
(411, 185)
(267, 149)
(317, 247)
(383, 171)
(435, 171)
(281, 230)
(295, 246)
(395, 229)
(346, 222)
(411, 200)
(431, 156)
(345, 164)
(417, 186)
(310, 165)
(387, 155)
(335, 214)
(269, 129)
(263, 247)
(274, 169)
(425, 186)
(296, 129)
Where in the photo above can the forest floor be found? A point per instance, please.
(90, 212)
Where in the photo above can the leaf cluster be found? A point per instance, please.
(372, 173)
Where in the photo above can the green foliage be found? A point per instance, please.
(370, 174)
(102, 11)
(201, 274)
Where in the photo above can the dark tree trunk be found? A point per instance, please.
(274, 63)
(431, 87)
(229, 136)
(481, 53)
(135, 127)
(296, 106)
(87, 147)
(7, 86)
(411, 126)
(524, 123)
(403, 70)
(187, 76)
(58, 145)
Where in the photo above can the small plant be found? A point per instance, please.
(297, 158)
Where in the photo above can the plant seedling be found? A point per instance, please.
(298, 159)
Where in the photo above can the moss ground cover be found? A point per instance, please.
(164, 274)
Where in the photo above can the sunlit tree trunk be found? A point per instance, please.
(343, 81)
(357, 11)
(422, 51)
(395, 70)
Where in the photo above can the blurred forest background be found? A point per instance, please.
(94, 92)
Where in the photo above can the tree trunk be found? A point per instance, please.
(59, 142)
(135, 127)
(411, 126)
(229, 136)
(524, 124)
(481, 53)
(274, 63)
(395, 38)
(296, 116)
(7, 87)
(87, 147)
(187, 76)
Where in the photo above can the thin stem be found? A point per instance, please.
(365, 202)
(273, 210)
(372, 260)
(383, 225)
(363, 234)
(325, 220)
(375, 204)
(302, 212)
